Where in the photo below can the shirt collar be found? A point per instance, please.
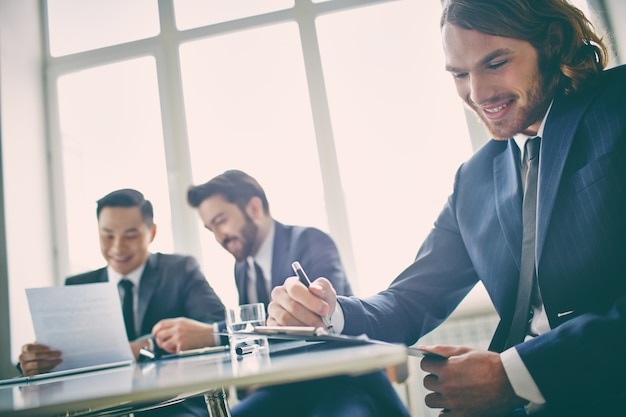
(134, 275)
(265, 253)
(520, 138)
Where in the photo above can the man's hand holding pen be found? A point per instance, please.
(293, 304)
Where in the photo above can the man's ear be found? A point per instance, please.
(254, 208)
(554, 40)
(153, 231)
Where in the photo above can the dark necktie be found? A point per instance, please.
(127, 307)
(261, 290)
(530, 166)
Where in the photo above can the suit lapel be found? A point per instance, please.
(280, 253)
(241, 281)
(556, 143)
(147, 286)
(508, 197)
(103, 275)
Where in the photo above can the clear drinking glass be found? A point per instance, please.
(240, 320)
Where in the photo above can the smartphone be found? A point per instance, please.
(415, 351)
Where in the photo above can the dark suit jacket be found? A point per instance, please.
(170, 286)
(580, 252)
(318, 255)
(314, 249)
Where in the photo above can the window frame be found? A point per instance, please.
(164, 47)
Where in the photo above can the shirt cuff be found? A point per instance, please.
(216, 337)
(522, 382)
(337, 319)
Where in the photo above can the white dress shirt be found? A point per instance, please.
(263, 258)
(134, 276)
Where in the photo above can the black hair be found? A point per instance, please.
(235, 186)
(128, 197)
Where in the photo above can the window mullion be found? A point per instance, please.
(175, 136)
(333, 192)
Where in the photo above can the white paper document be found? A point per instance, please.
(84, 322)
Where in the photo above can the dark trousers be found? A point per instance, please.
(370, 395)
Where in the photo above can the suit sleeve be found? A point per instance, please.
(201, 301)
(423, 295)
(319, 256)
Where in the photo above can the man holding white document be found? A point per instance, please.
(162, 286)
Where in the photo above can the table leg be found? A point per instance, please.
(217, 403)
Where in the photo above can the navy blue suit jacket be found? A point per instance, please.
(314, 249)
(580, 252)
(319, 257)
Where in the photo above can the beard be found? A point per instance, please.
(247, 236)
(539, 93)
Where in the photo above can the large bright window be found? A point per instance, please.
(400, 132)
(111, 138)
(83, 25)
(335, 107)
(247, 108)
(195, 13)
(340, 108)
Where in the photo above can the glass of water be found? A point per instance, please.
(241, 320)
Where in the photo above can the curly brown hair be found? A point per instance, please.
(582, 56)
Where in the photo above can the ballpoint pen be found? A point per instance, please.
(203, 350)
(297, 268)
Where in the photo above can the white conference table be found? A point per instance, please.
(126, 389)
